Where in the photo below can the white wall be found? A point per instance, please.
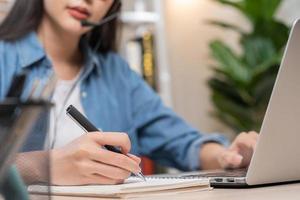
(188, 36)
(289, 11)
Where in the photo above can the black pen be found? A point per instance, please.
(87, 126)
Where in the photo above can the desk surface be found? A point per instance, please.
(282, 192)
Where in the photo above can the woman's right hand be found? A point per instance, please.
(84, 161)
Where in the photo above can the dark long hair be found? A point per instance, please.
(26, 16)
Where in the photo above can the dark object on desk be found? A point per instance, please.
(13, 186)
(17, 118)
(87, 126)
(17, 85)
(16, 121)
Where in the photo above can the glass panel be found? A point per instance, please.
(23, 132)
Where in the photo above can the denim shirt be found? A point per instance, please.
(115, 99)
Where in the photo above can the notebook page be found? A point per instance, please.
(181, 193)
(156, 184)
(131, 185)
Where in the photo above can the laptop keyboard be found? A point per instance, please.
(225, 173)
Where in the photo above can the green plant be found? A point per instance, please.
(242, 84)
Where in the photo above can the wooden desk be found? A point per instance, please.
(281, 192)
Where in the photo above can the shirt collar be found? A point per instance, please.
(30, 51)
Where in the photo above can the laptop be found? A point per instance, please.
(276, 158)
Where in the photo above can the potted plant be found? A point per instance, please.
(242, 83)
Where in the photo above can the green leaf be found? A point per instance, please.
(257, 50)
(263, 89)
(228, 89)
(261, 9)
(227, 26)
(235, 4)
(269, 8)
(230, 121)
(277, 32)
(241, 114)
(261, 69)
(255, 10)
(230, 63)
(242, 84)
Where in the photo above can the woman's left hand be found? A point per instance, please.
(239, 154)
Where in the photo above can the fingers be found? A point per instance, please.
(135, 158)
(230, 159)
(114, 139)
(114, 159)
(127, 162)
(253, 135)
(96, 179)
(108, 171)
(84, 161)
(240, 152)
(245, 140)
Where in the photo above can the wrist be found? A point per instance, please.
(57, 166)
(33, 166)
(209, 155)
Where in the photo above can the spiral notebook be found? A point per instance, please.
(131, 188)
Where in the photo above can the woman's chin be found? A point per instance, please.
(75, 28)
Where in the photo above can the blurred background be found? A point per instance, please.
(213, 61)
(185, 59)
(187, 54)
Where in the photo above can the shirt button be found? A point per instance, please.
(84, 94)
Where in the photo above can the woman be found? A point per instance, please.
(47, 35)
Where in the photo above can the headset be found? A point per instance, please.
(86, 23)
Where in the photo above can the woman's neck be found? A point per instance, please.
(62, 49)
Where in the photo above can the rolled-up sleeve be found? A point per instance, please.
(163, 135)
